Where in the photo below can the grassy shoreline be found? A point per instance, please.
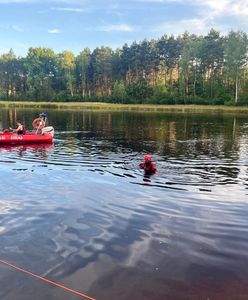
(126, 107)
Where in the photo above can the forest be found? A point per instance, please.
(184, 69)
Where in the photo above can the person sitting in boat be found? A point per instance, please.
(148, 166)
(20, 128)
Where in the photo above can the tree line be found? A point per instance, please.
(189, 68)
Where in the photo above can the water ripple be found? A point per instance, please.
(81, 211)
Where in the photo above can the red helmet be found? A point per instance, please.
(147, 158)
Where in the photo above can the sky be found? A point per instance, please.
(76, 24)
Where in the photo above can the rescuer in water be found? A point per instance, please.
(148, 166)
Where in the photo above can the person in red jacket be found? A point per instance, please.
(148, 166)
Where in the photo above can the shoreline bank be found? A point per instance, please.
(126, 107)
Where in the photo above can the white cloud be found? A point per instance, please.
(209, 15)
(159, 1)
(54, 31)
(221, 7)
(68, 9)
(116, 27)
(213, 7)
(238, 8)
(41, 1)
(17, 28)
(16, 1)
(197, 26)
(11, 27)
(214, 4)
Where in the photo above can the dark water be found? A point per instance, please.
(81, 213)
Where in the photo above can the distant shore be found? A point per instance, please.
(126, 107)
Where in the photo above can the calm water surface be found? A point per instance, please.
(80, 212)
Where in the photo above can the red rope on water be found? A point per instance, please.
(47, 280)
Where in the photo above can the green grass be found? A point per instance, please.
(125, 107)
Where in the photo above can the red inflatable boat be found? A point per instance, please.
(6, 138)
(41, 135)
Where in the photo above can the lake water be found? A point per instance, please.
(80, 212)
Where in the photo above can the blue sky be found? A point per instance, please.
(76, 24)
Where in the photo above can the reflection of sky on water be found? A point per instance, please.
(81, 211)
